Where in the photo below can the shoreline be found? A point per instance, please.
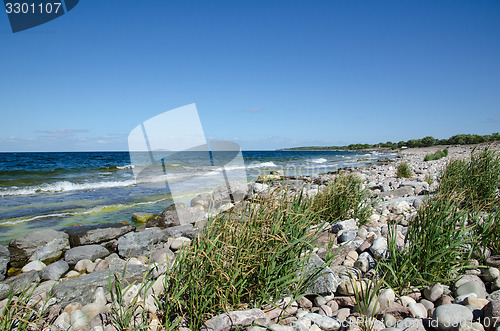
(72, 266)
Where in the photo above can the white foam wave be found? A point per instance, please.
(64, 186)
(319, 160)
(128, 166)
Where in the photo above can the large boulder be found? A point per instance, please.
(142, 243)
(91, 252)
(231, 192)
(327, 281)
(22, 281)
(45, 245)
(83, 288)
(96, 234)
(179, 214)
(4, 260)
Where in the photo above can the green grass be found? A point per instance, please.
(24, 311)
(475, 180)
(437, 155)
(403, 171)
(242, 260)
(436, 247)
(343, 198)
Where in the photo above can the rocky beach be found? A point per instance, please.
(65, 277)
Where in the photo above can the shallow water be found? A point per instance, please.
(56, 190)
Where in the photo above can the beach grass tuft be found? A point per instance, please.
(244, 258)
(344, 198)
(476, 180)
(437, 155)
(436, 247)
(403, 171)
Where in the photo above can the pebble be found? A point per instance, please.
(79, 320)
(34, 265)
(491, 274)
(434, 292)
(449, 317)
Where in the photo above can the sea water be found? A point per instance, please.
(57, 190)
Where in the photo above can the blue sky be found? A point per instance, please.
(266, 74)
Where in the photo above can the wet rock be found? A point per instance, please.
(46, 244)
(96, 234)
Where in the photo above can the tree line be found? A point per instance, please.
(459, 139)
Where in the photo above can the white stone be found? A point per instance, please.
(34, 265)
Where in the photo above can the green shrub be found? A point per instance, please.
(404, 171)
(343, 198)
(437, 155)
(475, 180)
(436, 247)
(241, 260)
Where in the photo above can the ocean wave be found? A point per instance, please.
(63, 186)
(128, 166)
(318, 160)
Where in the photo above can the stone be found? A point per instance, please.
(96, 234)
(346, 236)
(23, 280)
(34, 265)
(94, 309)
(362, 264)
(467, 278)
(179, 242)
(186, 230)
(472, 287)
(326, 283)
(304, 302)
(81, 266)
(236, 192)
(323, 322)
(434, 292)
(419, 310)
(70, 308)
(72, 274)
(83, 288)
(45, 244)
(491, 315)
(476, 302)
(451, 316)
(233, 319)
(389, 321)
(163, 255)
(141, 243)
(398, 193)
(4, 260)
(386, 298)
(411, 324)
(54, 271)
(179, 214)
(91, 252)
(349, 287)
(140, 217)
(491, 274)
(379, 248)
(444, 300)
(79, 320)
(349, 224)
